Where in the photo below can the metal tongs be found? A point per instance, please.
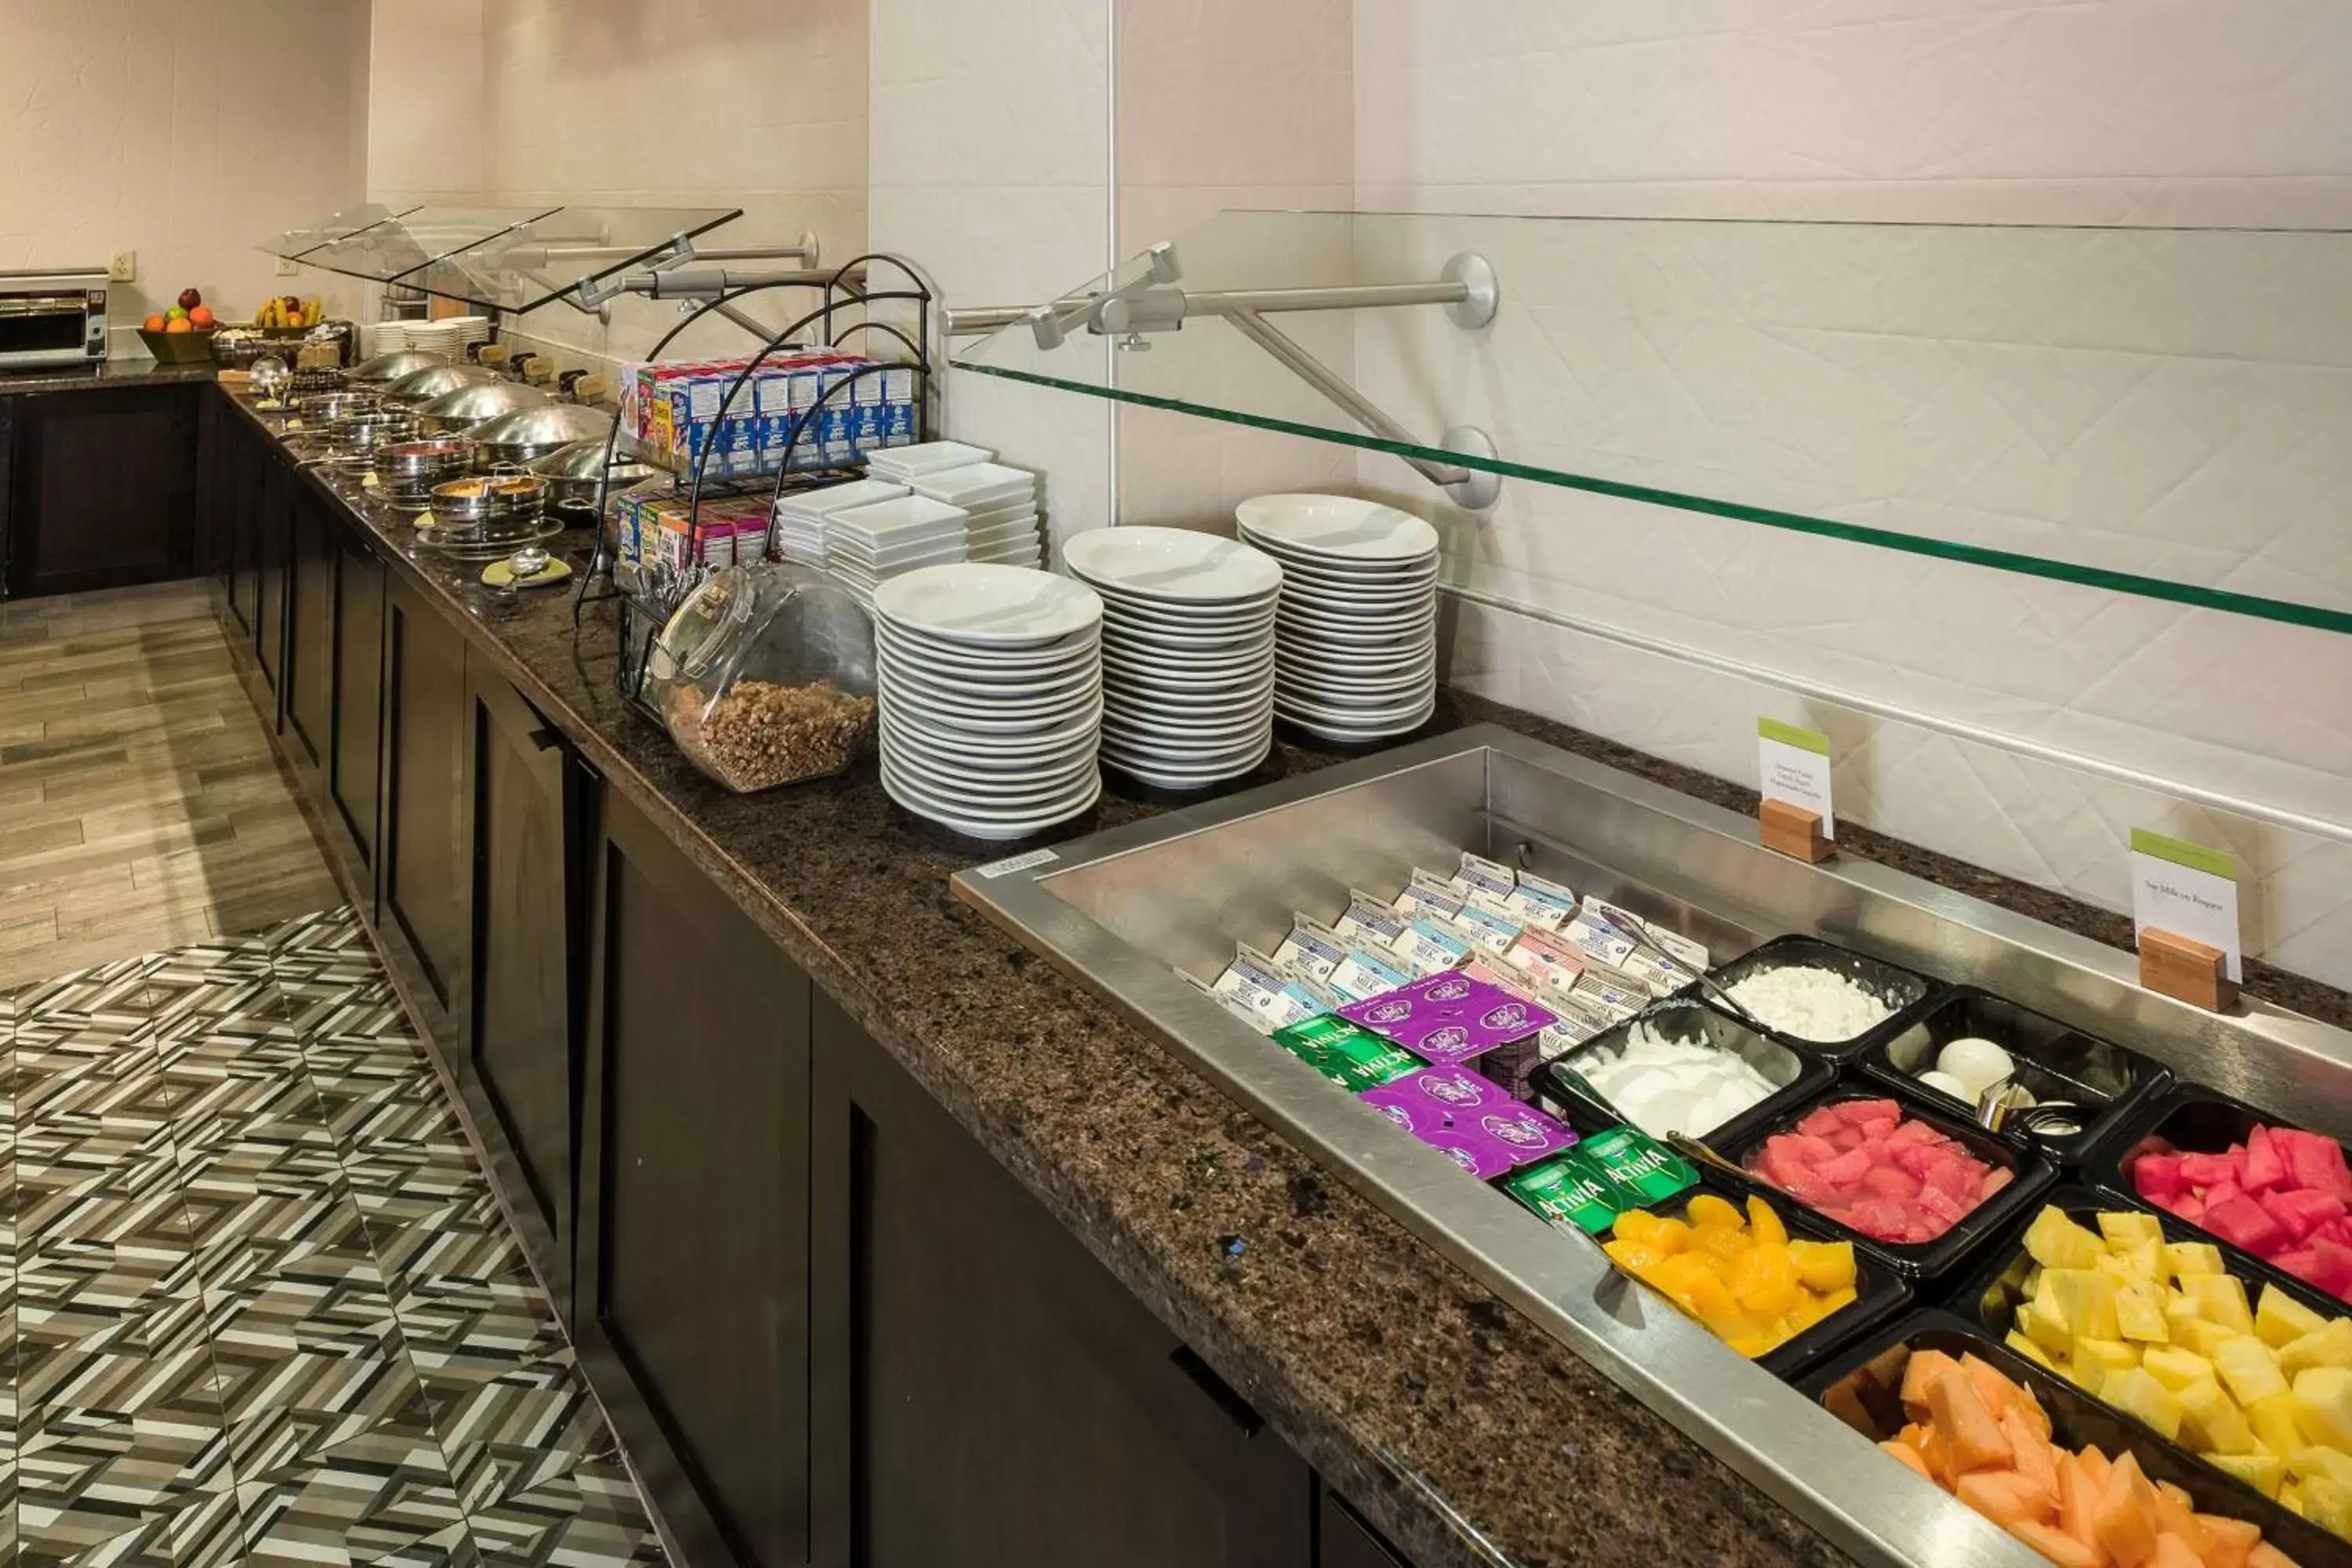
(1648, 945)
(1996, 1108)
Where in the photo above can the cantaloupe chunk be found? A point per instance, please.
(2095, 1462)
(2025, 1402)
(2174, 1552)
(2029, 1450)
(1972, 1436)
(2176, 1511)
(2224, 1543)
(2126, 1516)
(2057, 1545)
(2078, 1500)
(2269, 1556)
(2005, 1496)
(1995, 1390)
(2281, 1320)
(1909, 1456)
(1921, 1371)
(1936, 1453)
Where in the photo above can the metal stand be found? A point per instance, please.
(1466, 288)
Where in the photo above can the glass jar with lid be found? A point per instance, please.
(765, 676)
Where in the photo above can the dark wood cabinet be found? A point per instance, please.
(693, 1247)
(312, 524)
(276, 567)
(355, 756)
(427, 864)
(987, 1393)
(520, 1056)
(215, 434)
(248, 462)
(102, 489)
(1342, 1539)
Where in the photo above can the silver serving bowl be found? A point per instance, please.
(486, 498)
(406, 471)
(422, 387)
(571, 475)
(530, 434)
(364, 433)
(327, 408)
(385, 369)
(471, 405)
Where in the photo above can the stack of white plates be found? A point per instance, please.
(1003, 504)
(864, 544)
(801, 515)
(1188, 651)
(1356, 635)
(991, 682)
(908, 464)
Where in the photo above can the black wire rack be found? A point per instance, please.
(841, 319)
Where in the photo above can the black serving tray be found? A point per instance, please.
(2189, 1117)
(1880, 1292)
(1562, 1090)
(1901, 988)
(2054, 1062)
(1863, 1388)
(1931, 1265)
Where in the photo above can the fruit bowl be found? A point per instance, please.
(193, 346)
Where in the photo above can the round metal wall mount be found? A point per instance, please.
(1475, 273)
(1478, 489)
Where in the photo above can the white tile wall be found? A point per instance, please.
(1805, 368)
(115, 133)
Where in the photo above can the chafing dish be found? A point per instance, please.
(406, 471)
(527, 434)
(422, 387)
(486, 498)
(571, 474)
(386, 369)
(470, 405)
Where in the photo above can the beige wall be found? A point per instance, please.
(725, 103)
(186, 131)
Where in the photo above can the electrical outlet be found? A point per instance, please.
(287, 268)
(124, 268)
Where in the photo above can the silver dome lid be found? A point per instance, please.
(385, 369)
(484, 400)
(435, 381)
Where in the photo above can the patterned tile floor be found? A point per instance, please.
(260, 1306)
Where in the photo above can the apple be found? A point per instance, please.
(190, 300)
(200, 316)
(176, 313)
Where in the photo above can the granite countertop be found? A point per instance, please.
(1461, 1429)
(113, 373)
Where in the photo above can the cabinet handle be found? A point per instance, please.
(547, 740)
(1221, 1394)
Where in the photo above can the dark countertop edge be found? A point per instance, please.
(1386, 1487)
(117, 374)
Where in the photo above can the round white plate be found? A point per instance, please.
(1360, 606)
(1228, 731)
(991, 829)
(1343, 677)
(1235, 623)
(1336, 527)
(1297, 572)
(1132, 635)
(1160, 776)
(1160, 666)
(1130, 692)
(900, 739)
(1358, 663)
(1347, 735)
(985, 605)
(948, 781)
(1171, 565)
(1032, 733)
(951, 714)
(987, 664)
(1398, 695)
(986, 693)
(1151, 713)
(1210, 754)
(1317, 617)
(1350, 716)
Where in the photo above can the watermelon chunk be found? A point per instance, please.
(2159, 1177)
(2302, 1210)
(1995, 1179)
(1820, 1123)
(2244, 1223)
(2313, 1160)
(1912, 1134)
(1863, 1110)
(2222, 1193)
(2332, 1268)
(2206, 1170)
(2265, 1168)
(1889, 1182)
(1847, 1169)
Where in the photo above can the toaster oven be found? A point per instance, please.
(56, 318)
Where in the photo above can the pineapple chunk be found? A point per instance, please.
(2274, 1422)
(2323, 1397)
(2139, 1395)
(2188, 1259)
(2221, 1299)
(2328, 1503)
(2057, 1242)
(2045, 1325)
(2086, 1300)
(2200, 1336)
(2028, 1350)
(2330, 1346)
(2264, 1472)
(2290, 1498)
(2096, 1361)
(2211, 1423)
(2140, 1312)
(2281, 1320)
(2176, 1368)
(2126, 1229)
(2250, 1369)
(2316, 1461)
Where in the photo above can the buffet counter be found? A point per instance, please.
(431, 721)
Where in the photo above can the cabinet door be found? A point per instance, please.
(519, 1043)
(1344, 1540)
(353, 774)
(987, 1393)
(212, 468)
(427, 864)
(310, 627)
(278, 481)
(103, 490)
(693, 1242)
(248, 463)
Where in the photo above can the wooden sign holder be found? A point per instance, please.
(2189, 971)
(1794, 831)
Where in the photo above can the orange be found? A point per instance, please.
(179, 325)
(200, 317)
(153, 323)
